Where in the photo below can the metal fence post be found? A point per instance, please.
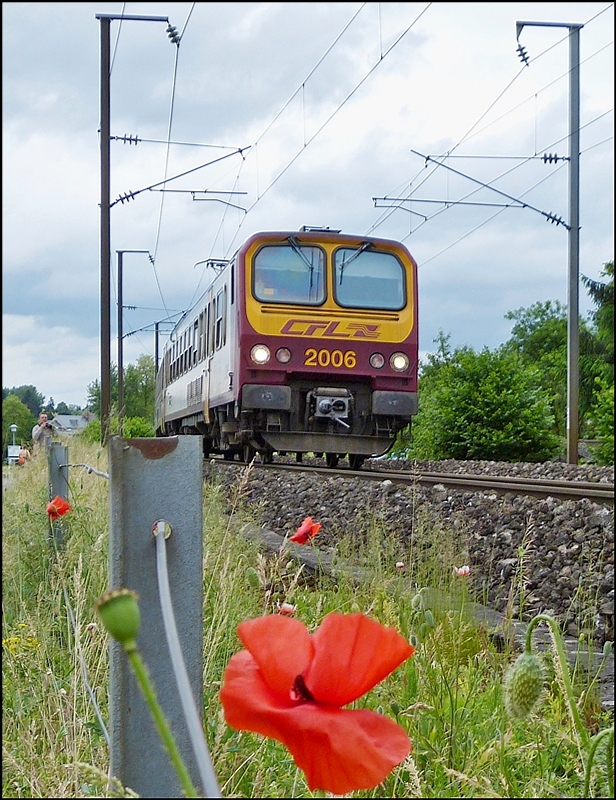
(152, 479)
(58, 483)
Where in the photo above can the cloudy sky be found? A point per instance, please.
(326, 101)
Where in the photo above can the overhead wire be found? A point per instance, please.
(536, 94)
(331, 116)
(346, 99)
(162, 196)
(386, 214)
(115, 46)
(466, 136)
(260, 137)
(489, 219)
(226, 210)
(152, 257)
(517, 166)
(534, 186)
(498, 177)
(311, 73)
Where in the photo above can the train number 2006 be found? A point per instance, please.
(325, 358)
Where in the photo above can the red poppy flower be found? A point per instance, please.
(58, 507)
(306, 531)
(291, 685)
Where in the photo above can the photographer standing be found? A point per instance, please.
(42, 432)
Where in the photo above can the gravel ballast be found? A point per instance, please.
(551, 555)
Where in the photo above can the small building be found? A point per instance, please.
(71, 423)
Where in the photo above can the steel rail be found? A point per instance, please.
(562, 489)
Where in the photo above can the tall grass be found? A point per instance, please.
(448, 696)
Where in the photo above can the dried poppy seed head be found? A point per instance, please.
(523, 685)
(119, 614)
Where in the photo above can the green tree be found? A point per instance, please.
(15, 412)
(602, 295)
(539, 337)
(140, 388)
(487, 405)
(138, 427)
(602, 421)
(134, 428)
(68, 408)
(29, 396)
(94, 393)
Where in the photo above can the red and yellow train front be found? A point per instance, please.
(328, 342)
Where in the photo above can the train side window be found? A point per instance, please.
(224, 315)
(201, 339)
(212, 327)
(219, 319)
(206, 331)
(195, 341)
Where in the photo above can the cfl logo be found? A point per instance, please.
(331, 328)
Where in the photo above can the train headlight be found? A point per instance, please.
(399, 362)
(377, 360)
(283, 355)
(260, 354)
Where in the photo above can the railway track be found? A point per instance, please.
(562, 489)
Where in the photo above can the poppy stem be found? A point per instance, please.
(583, 737)
(160, 720)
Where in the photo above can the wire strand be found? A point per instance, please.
(327, 121)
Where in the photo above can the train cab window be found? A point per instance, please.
(291, 273)
(365, 278)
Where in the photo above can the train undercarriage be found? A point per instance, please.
(332, 422)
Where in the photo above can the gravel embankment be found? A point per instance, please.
(567, 546)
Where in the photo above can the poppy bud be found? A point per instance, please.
(523, 685)
(252, 577)
(119, 614)
(429, 618)
(417, 602)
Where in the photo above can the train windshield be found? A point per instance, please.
(364, 278)
(290, 273)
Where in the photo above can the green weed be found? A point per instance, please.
(448, 696)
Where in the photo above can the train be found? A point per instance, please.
(304, 342)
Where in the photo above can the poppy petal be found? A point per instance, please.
(306, 531)
(58, 507)
(339, 750)
(343, 750)
(305, 526)
(281, 646)
(248, 702)
(352, 654)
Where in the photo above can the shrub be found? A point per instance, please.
(486, 405)
(602, 422)
(134, 428)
